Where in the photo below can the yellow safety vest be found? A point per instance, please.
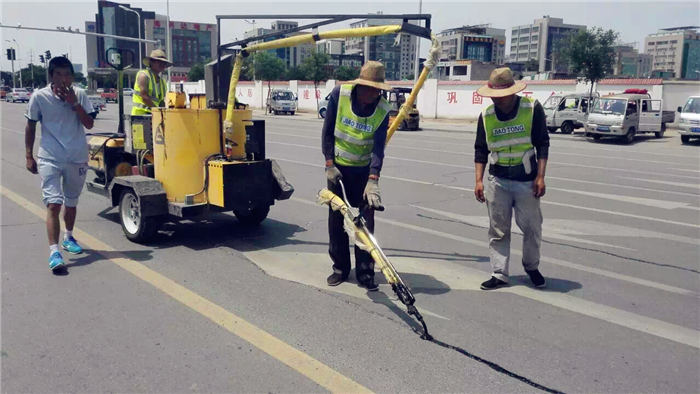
(156, 91)
(354, 135)
(510, 142)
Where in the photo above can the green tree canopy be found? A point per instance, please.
(315, 67)
(196, 72)
(345, 73)
(590, 53)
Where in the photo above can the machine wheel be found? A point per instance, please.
(567, 127)
(252, 217)
(136, 227)
(685, 139)
(629, 137)
(322, 113)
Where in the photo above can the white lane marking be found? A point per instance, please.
(566, 228)
(440, 275)
(650, 202)
(311, 269)
(464, 189)
(550, 260)
(435, 163)
(690, 185)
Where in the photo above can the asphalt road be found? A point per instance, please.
(212, 307)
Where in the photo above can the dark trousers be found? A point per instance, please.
(354, 179)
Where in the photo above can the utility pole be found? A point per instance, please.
(20, 65)
(415, 64)
(31, 65)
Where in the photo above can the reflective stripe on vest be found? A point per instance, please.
(510, 141)
(157, 95)
(354, 135)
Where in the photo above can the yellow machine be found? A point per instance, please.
(182, 162)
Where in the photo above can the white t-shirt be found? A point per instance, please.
(62, 135)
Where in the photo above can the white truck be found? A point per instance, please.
(626, 115)
(567, 112)
(281, 101)
(689, 124)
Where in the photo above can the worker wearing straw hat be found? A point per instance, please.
(150, 87)
(512, 137)
(353, 140)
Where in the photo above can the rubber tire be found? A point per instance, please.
(404, 125)
(596, 137)
(322, 113)
(659, 134)
(685, 139)
(567, 127)
(552, 129)
(275, 112)
(629, 137)
(253, 217)
(146, 226)
(291, 113)
(93, 115)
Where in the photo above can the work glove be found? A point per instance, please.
(372, 195)
(333, 174)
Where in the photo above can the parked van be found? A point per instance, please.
(689, 124)
(567, 112)
(281, 101)
(626, 115)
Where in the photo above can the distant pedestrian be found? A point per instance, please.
(512, 137)
(64, 113)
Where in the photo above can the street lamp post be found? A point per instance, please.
(138, 15)
(20, 64)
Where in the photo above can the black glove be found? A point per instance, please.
(333, 174)
(372, 195)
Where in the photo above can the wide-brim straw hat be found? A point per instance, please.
(501, 84)
(157, 54)
(372, 74)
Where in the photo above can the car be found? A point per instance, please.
(281, 101)
(98, 104)
(99, 91)
(323, 106)
(128, 91)
(689, 124)
(17, 94)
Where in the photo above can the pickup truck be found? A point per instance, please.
(626, 115)
(567, 112)
(110, 95)
(689, 123)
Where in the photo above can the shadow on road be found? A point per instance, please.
(554, 285)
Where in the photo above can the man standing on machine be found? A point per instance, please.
(353, 141)
(150, 87)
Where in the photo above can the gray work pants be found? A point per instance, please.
(504, 196)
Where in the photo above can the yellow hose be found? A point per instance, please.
(429, 64)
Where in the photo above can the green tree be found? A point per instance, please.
(78, 77)
(196, 72)
(295, 74)
(590, 54)
(532, 65)
(316, 68)
(345, 73)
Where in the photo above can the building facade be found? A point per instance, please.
(481, 43)
(675, 52)
(397, 54)
(542, 41)
(630, 63)
(291, 56)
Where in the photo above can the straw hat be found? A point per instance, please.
(501, 84)
(157, 54)
(372, 75)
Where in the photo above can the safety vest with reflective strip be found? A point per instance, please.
(156, 91)
(510, 141)
(354, 135)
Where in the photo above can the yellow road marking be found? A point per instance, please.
(297, 360)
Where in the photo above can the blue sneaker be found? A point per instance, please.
(56, 261)
(71, 246)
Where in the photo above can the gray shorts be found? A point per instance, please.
(61, 183)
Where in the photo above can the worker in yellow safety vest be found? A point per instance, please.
(512, 137)
(150, 87)
(353, 140)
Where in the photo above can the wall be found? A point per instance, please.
(458, 99)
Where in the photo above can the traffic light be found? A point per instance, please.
(11, 54)
(41, 58)
(48, 55)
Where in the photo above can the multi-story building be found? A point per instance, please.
(542, 41)
(630, 63)
(334, 46)
(291, 56)
(675, 51)
(191, 42)
(398, 59)
(480, 42)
